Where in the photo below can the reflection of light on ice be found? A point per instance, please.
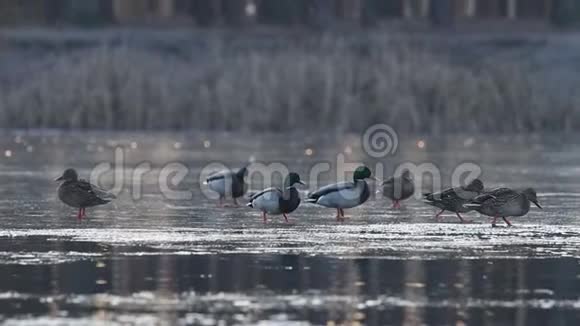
(468, 142)
(421, 144)
(308, 152)
(206, 143)
(8, 153)
(251, 9)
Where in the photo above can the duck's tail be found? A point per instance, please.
(250, 204)
(311, 200)
(428, 197)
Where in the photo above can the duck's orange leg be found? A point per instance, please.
(286, 217)
(438, 215)
(80, 214)
(264, 217)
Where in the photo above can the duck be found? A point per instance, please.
(344, 194)
(79, 193)
(276, 201)
(399, 188)
(453, 199)
(504, 202)
(228, 183)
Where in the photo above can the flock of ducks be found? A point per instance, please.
(497, 203)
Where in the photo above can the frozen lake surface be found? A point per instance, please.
(156, 260)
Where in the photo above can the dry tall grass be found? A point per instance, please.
(331, 85)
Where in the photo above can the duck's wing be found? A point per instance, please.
(445, 195)
(94, 191)
(389, 181)
(266, 191)
(495, 197)
(388, 185)
(267, 200)
(219, 175)
(330, 188)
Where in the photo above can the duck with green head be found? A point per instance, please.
(276, 201)
(344, 194)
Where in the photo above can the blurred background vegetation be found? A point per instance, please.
(264, 65)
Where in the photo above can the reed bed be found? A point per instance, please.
(330, 85)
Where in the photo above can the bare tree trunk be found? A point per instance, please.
(471, 8)
(207, 12)
(217, 8)
(286, 12)
(442, 13)
(512, 9)
(322, 13)
(425, 7)
(166, 8)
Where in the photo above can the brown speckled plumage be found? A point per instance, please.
(79, 193)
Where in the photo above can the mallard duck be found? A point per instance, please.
(399, 188)
(453, 199)
(276, 201)
(344, 194)
(79, 193)
(228, 184)
(504, 202)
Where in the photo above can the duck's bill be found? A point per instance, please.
(376, 179)
(59, 179)
(537, 204)
(302, 183)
